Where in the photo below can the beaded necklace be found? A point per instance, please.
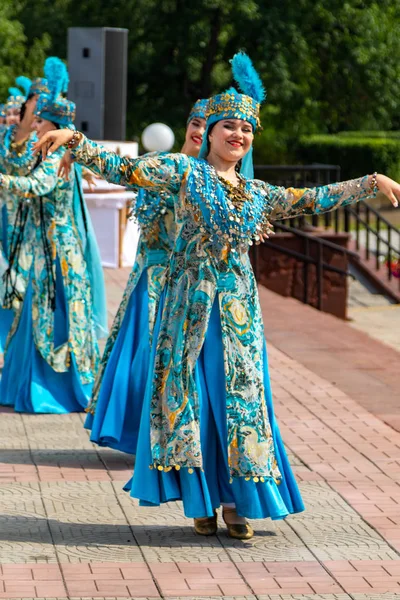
(18, 156)
(234, 216)
(237, 194)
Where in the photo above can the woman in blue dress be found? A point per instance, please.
(52, 354)
(16, 158)
(115, 407)
(208, 435)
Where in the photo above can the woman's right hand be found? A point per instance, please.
(52, 140)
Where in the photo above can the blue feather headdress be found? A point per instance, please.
(24, 83)
(57, 76)
(232, 104)
(247, 77)
(51, 105)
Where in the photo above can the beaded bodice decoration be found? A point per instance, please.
(236, 193)
(149, 211)
(234, 215)
(205, 267)
(16, 158)
(50, 236)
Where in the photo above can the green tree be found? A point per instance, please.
(327, 65)
(18, 56)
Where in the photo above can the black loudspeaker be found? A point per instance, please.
(97, 64)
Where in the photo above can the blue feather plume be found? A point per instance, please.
(24, 83)
(56, 74)
(247, 77)
(13, 91)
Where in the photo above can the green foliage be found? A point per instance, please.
(371, 134)
(18, 56)
(355, 155)
(327, 66)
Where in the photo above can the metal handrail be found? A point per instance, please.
(307, 259)
(364, 222)
(306, 234)
(341, 219)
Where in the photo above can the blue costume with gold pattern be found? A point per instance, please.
(52, 343)
(115, 408)
(52, 354)
(207, 424)
(14, 160)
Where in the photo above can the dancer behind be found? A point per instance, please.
(13, 105)
(52, 353)
(16, 158)
(208, 430)
(16, 147)
(115, 408)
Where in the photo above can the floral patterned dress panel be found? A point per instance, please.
(210, 259)
(49, 234)
(15, 159)
(155, 216)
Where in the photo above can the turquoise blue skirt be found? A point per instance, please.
(203, 491)
(6, 319)
(28, 383)
(116, 420)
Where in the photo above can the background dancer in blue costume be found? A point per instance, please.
(52, 354)
(12, 107)
(116, 405)
(16, 158)
(208, 435)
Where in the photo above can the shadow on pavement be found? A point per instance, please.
(68, 458)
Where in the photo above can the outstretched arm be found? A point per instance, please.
(292, 202)
(40, 182)
(162, 171)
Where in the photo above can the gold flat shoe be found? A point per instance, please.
(240, 532)
(206, 525)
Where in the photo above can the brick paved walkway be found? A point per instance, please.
(67, 530)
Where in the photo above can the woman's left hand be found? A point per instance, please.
(390, 188)
(65, 165)
(89, 178)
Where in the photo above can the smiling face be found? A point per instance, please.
(41, 126)
(231, 139)
(194, 136)
(12, 116)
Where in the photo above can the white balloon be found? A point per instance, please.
(158, 137)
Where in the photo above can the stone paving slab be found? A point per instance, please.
(67, 529)
(385, 596)
(364, 368)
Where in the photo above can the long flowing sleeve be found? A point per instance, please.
(292, 202)
(162, 171)
(40, 182)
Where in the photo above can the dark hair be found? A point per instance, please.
(208, 134)
(23, 107)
